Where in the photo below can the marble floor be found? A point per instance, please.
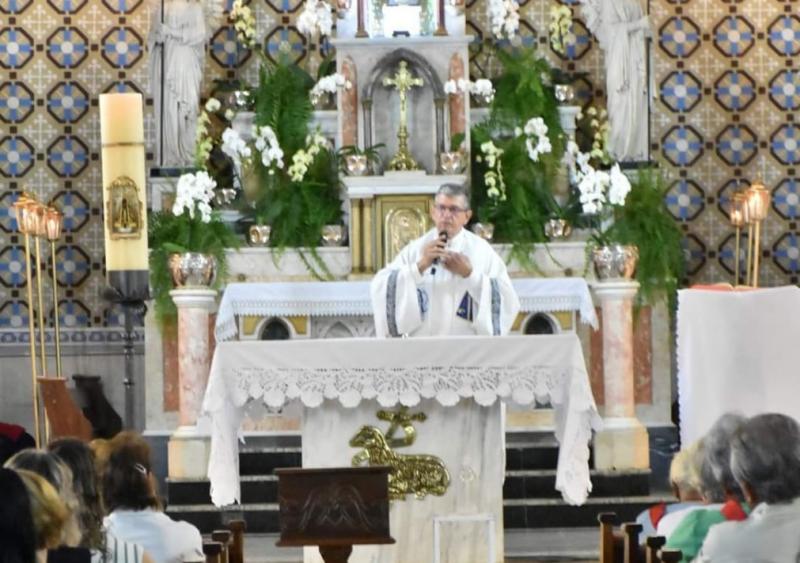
(575, 545)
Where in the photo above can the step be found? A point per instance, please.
(546, 513)
(535, 455)
(260, 518)
(264, 461)
(254, 489)
(541, 483)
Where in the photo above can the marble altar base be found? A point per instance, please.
(469, 440)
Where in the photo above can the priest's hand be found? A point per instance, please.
(457, 263)
(430, 252)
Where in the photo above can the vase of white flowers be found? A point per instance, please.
(324, 91)
(602, 197)
(187, 242)
(262, 146)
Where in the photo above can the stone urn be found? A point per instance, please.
(192, 269)
(332, 235)
(451, 162)
(557, 229)
(356, 164)
(615, 261)
(484, 230)
(258, 235)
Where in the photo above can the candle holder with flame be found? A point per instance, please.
(757, 204)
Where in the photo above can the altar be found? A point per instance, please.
(459, 383)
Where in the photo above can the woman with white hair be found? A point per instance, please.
(765, 460)
(721, 493)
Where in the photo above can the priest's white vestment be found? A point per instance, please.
(438, 302)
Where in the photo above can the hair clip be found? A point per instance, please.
(140, 468)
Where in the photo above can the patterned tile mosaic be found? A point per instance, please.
(723, 115)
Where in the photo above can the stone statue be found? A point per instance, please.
(621, 27)
(177, 44)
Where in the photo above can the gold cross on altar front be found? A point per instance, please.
(403, 81)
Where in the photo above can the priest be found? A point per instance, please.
(447, 282)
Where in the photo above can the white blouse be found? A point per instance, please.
(164, 539)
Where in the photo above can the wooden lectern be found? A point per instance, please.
(334, 508)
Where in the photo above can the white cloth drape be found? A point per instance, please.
(735, 355)
(403, 371)
(341, 298)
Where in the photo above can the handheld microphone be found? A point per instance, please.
(443, 238)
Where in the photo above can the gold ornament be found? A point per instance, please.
(417, 474)
(403, 81)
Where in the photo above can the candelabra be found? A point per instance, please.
(757, 204)
(36, 220)
(737, 216)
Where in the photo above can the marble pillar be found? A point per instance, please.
(188, 446)
(623, 442)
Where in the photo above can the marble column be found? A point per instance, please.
(188, 446)
(623, 442)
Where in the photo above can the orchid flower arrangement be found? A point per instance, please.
(493, 177)
(263, 143)
(316, 17)
(330, 84)
(302, 159)
(481, 88)
(503, 17)
(244, 23)
(560, 27)
(537, 141)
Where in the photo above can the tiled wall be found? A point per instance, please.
(727, 91)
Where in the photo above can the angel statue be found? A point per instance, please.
(178, 33)
(621, 27)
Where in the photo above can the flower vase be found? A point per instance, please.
(192, 269)
(332, 235)
(258, 235)
(615, 261)
(484, 230)
(251, 185)
(557, 229)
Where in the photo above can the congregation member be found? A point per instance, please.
(104, 547)
(720, 491)
(18, 540)
(49, 514)
(59, 476)
(134, 511)
(684, 480)
(765, 461)
(447, 282)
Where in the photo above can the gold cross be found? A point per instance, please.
(403, 81)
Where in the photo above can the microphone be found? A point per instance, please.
(443, 238)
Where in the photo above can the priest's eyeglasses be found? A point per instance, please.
(451, 209)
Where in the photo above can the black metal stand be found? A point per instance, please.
(131, 306)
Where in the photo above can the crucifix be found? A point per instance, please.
(403, 81)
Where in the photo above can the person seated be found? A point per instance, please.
(104, 547)
(17, 534)
(135, 515)
(49, 514)
(13, 439)
(685, 483)
(765, 460)
(720, 491)
(55, 472)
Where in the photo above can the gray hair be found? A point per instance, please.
(765, 455)
(716, 478)
(454, 190)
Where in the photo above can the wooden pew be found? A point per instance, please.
(652, 545)
(670, 555)
(236, 550)
(616, 546)
(212, 551)
(224, 539)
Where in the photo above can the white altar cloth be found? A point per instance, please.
(352, 298)
(403, 371)
(735, 354)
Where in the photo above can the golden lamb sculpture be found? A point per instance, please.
(418, 474)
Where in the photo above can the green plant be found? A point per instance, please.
(644, 221)
(508, 190)
(195, 228)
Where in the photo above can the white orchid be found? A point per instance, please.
(244, 23)
(315, 18)
(503, 18)
(481, 88)
(193, 194)
(330, 84)
(493, 177)
(537, 141)
(303, 158)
